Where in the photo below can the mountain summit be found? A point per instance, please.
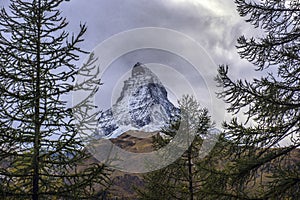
(143, 105)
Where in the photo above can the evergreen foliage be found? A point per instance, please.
(257, 166)
(41, 155)
(181, 179)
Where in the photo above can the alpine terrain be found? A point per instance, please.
(143, 105)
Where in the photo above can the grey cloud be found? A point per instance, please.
(216, 33)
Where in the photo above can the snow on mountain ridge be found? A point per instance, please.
(143, 105)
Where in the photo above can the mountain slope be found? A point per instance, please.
(143, 105)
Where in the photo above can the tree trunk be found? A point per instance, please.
(190, 173)
(37, 124)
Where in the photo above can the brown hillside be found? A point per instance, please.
(123, 183)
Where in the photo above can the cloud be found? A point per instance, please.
(214, 24)
(215, 7)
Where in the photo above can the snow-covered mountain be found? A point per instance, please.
(143, 105)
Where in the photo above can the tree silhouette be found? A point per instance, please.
(257, 166)
(42, 156)
(181, 179)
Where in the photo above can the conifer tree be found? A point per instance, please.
(181, 179)
(257, 166)
(41, 155)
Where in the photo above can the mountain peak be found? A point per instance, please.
(137, 64)
(139, 69)
(143, 105)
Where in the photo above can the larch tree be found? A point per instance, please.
(181, 179)
(257, 166)
(41, 155)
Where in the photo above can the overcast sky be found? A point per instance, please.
(213, 24)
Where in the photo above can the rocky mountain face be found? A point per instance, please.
(143, 105)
